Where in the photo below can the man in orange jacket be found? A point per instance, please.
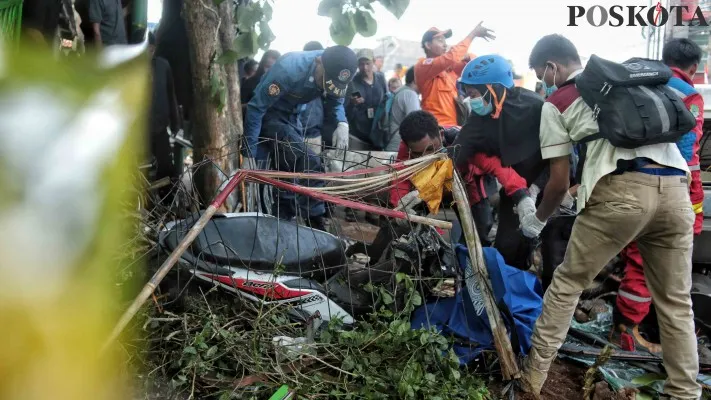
(436, 75)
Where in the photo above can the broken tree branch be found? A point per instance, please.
(502, 343)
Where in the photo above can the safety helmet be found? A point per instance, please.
(486, 70)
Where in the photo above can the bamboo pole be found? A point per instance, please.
(509, 366)
(155, 280)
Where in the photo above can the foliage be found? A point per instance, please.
(349, 17)
(222, 347)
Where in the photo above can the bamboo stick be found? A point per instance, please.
(509, 366)
(152, 284)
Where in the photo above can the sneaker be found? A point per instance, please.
(628, 338)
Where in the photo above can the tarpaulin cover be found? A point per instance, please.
(517, 293)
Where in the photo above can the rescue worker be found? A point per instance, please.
(436, 75)
(296, 79)
(633, 298)
(620, 199)
(421, 135)
(503, 125)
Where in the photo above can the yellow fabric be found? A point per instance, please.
(433, 181)
(698, 208)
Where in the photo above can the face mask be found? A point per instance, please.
(478, 107)
(549, 89)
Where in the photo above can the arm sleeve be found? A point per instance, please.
(429, 68)
(260, 103)
(95, 11)
(555, 140)
(410, 101)
(509, 179)
(333, 111)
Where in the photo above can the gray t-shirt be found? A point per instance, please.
(109, 15)
(405, 101)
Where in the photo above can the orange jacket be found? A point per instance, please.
(436, 80)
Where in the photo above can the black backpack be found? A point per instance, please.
(631, 102)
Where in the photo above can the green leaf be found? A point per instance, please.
(267, 11)
(248, 16)
(365, 23)
(211, 352)
(266, 36)
(228, 57)
(400, 276)
(386, 297)
(189, 350)
(416, 299)
(342, 29)
(328, 8)
(424, 338)
(217, 2)
(396, 7)
(246, 44)
(348, 364)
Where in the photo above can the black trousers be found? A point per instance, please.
(510, 242)
(554, 242)
(163, 153)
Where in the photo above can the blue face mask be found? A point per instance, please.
(549, 89)
(478, 107)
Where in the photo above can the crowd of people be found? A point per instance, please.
(642, 202)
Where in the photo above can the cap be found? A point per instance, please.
(365, 53)
(339, 64)
(434, 32)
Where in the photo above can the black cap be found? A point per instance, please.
(434, 32)
(339, 64)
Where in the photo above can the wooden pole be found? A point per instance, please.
(509, 366)
(151, 286)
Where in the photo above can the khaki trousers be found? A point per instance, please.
(656, 212)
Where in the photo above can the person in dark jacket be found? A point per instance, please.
(362, 100)
(172, 45)
(504, 124)
(164, 114)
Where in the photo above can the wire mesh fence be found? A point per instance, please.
(263, 263)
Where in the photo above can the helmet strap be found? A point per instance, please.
(498, 104)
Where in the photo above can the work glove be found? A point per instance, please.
(525, 206)
(340, 136)
(410, 201)
(407, 204)
(531, 226)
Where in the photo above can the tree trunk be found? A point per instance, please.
(216, 135)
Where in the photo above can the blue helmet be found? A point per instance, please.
(486, 70)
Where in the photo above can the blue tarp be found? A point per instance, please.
(517, 292)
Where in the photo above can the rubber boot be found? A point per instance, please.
(535, 372)
(626, 334)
